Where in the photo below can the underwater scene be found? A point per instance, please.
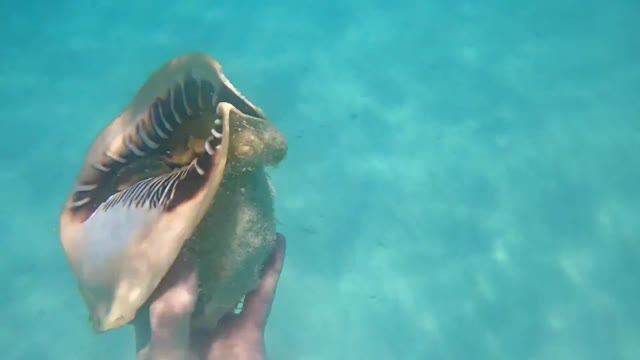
(450, 180)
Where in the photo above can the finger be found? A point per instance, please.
(171, 308)
(257, 304)
(176, 294)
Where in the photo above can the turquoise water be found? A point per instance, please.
(462, 178)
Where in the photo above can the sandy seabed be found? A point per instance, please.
(462, 180)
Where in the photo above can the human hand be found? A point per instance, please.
(163, 331)
(241, 336)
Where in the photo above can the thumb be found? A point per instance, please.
(257, 303)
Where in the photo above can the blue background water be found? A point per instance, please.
(462, 180)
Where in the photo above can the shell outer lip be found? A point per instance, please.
(72, 227)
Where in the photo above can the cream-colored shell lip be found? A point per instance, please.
(115, 283)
